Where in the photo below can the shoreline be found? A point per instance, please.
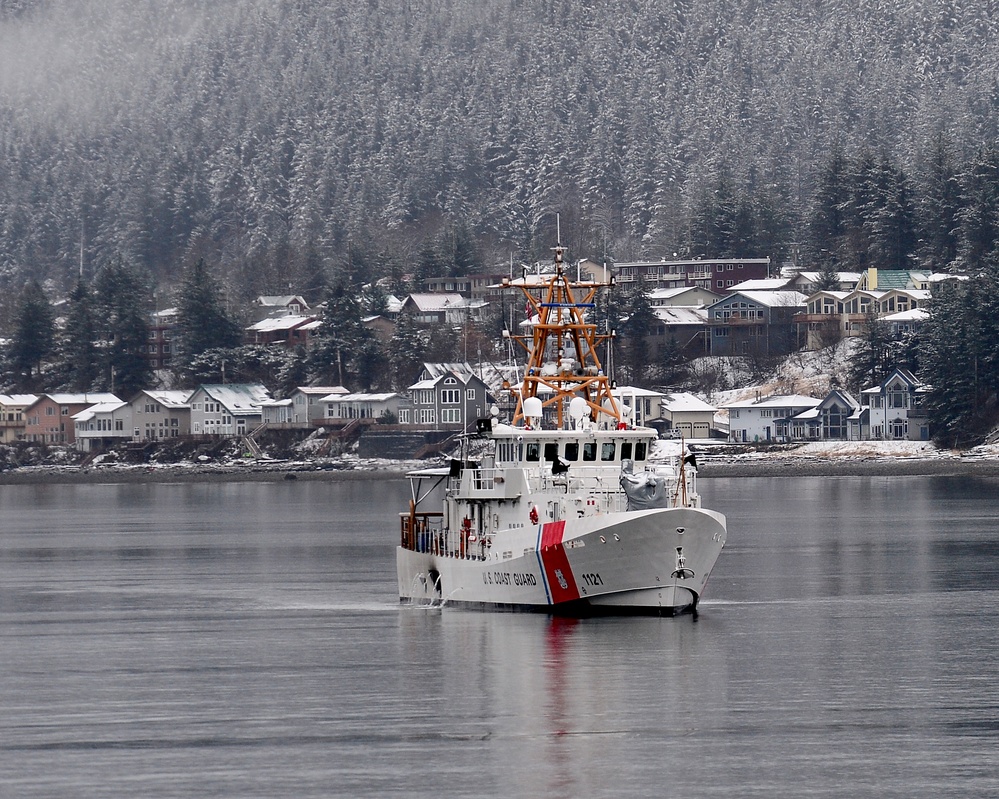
(711, 467)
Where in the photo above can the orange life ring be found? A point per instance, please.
(534, 514)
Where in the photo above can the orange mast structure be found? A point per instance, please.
(563, 362)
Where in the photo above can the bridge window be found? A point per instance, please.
(533, 451)
(572, 451)
(607, 451)
(625, 450)
(590, 451)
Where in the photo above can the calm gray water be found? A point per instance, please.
(245, 640)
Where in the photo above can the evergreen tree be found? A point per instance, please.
(873, 358)
(674, 364)
(407, 350)
(637, 327)
(339, 340)
(979, 214)
(828, 276)
(827, 226)
(122, 301)
(78, 353)
(959, 359)
(202, 321)
(939, 208)
(32, 340)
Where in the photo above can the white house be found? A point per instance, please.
(308, 406)
(12, 407)
(277, 412)
(227, 410)
(105, 424)
(345, 407)
(688, 416)
(896, 407)
(766, 418)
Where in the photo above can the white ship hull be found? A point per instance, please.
(652, 562)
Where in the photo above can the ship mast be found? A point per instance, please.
(563, 361)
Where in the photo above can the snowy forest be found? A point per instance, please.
(290, 142)
(313, 145)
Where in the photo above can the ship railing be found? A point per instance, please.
(421, 531)
(425, 532)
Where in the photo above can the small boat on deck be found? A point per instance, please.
(565, 508)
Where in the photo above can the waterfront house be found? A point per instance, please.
(227, 409)
(277, 413)
(897, 409)
(839, 417)
(344, 408)
(12, 407)
(103, 426)
(308, 404)
(448, 396)
(769, 418)
(49, 419)
(159, 414)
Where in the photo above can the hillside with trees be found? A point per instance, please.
(316, 146)
(292, 142)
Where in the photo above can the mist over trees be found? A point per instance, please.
(310, 143)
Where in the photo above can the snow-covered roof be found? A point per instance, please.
(17, 399)
(760, 284)
(238, 398)
(685, 402)
(776, 299)
(274, 323)
(680, 315)
(360, 397)
(321, 391)
(915, 315)
(777, 401)
(635, 391)
(91, 398)
(101, 407)
(169, 398)
(281, 403)
(676, 291)
(438, 302)
(274, 300)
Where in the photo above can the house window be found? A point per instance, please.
(450, 396)
(450, 415)
(470, 394)
(404, 416)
